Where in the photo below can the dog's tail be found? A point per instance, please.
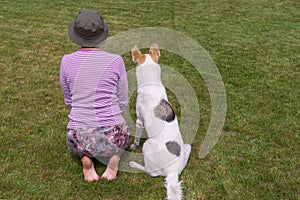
(174, 189)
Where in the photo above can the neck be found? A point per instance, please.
(89, 48)
(148, 74)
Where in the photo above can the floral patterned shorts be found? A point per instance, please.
(98, 142)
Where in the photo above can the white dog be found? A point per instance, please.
(164, 152)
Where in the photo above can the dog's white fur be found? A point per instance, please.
(160, 159)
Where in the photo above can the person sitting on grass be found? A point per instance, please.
(95, 88)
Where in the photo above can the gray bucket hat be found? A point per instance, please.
(88, 29)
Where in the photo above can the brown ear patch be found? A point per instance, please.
(137, 56)
(154, 52)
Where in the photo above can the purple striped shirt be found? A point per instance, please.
(95, 88)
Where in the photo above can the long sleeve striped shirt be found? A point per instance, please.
(95, 88)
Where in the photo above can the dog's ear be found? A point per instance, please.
(137, 56)
(135, 52)
(154, 52)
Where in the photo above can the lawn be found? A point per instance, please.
(255, 45)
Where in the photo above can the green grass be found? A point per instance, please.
(255, 45)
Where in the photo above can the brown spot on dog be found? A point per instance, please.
(173, 147)
(164, 111)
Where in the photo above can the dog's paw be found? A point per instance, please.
(133, 164)
(136, 165)
(134, 146)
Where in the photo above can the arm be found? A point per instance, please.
(64, 85)
(122, 87)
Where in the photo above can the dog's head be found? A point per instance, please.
(139, 58)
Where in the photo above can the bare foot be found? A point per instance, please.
(89, 172)
(112, 168)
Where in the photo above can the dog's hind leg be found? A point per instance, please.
(138, 133)
(186, 155)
